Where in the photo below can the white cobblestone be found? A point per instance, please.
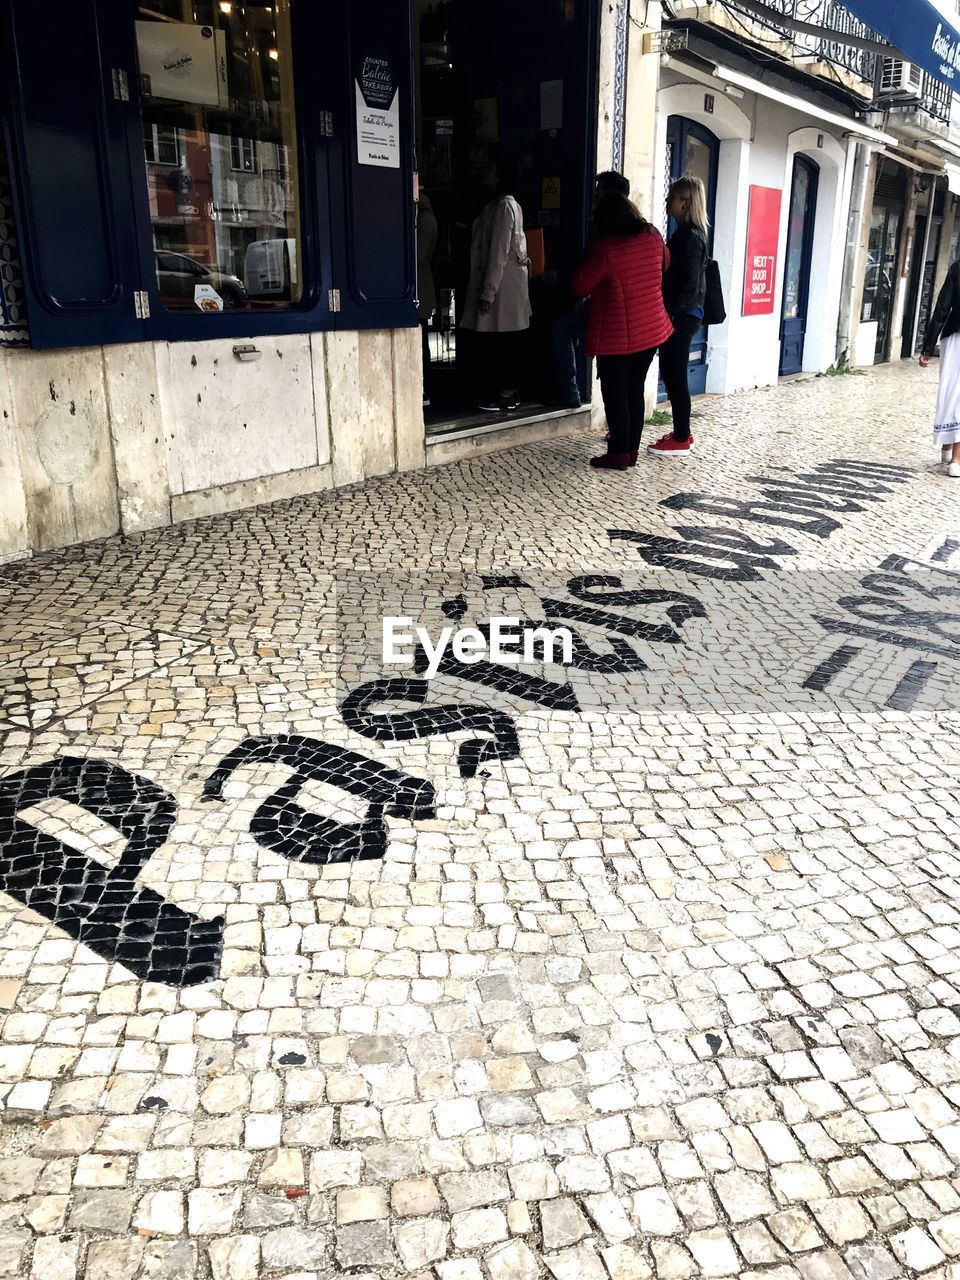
(670, 992)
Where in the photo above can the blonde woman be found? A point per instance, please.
(684, 290)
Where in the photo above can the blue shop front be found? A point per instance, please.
(208, 240)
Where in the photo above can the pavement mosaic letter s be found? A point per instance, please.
(429, 721)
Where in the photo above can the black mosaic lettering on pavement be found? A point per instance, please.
(886, 612)
(737, 539)
(843, 626)
(426, 722)
(945, 551)
(946, 582)
(455, 608)
(782, 500)
(592, 588)
(508, 680)
(911, 686)
(585, 658)
(703, 545)
(500, 581)
(889, 606)
(651, 632)
(287, 828)
(100, 906)
(792, 495)
(754, 511)
(857, 468)
(823, 478)
(830, 668)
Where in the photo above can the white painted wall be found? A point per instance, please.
(759, 139)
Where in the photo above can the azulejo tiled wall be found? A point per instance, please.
(13, 315)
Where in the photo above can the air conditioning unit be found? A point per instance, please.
(899, 79)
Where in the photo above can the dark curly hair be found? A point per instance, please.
(610, 180)
(615, 215)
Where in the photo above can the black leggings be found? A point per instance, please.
(674, 370)
(621, 385)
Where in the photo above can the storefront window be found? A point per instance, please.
(880, 279)
(216, 84)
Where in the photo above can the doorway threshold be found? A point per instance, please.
(482, 425)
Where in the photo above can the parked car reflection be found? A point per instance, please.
(178, 275)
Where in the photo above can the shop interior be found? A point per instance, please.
(502, 80)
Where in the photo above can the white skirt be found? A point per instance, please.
(946, 428)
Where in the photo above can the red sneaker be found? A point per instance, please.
(667, 447)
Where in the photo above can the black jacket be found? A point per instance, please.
(945, 320)
(685, 284)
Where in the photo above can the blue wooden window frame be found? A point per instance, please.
(356, 222)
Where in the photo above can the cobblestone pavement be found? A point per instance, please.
(643, 967)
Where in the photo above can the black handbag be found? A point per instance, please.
(714, 310)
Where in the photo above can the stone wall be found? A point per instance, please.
(102, 440)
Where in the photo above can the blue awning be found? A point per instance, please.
(918, 31)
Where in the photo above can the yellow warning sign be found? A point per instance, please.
(551, 193)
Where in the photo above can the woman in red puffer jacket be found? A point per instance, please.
(623, 277)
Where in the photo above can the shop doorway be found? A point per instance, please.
(883, 254)
(691, 148)
(517, 83)
(796, 280)
(922, 278)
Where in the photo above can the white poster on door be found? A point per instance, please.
(182, 62)
(378, 115)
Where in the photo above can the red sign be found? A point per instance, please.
(763, 237)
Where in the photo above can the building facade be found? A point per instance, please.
(207, 238)
(819, 146)
(209, 213)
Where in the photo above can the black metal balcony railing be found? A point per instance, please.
(823, 13)
(936, 98)
(932, 97)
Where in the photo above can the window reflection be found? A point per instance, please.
(219, 137)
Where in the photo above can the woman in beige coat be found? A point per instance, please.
(497, 304)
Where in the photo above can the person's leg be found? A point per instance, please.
(674, 370)
(564, 334)
(502, 368)
(514, 345)
(614, 381)
(637, 369)
(953, 467)
(425, 345)
(489, 362)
